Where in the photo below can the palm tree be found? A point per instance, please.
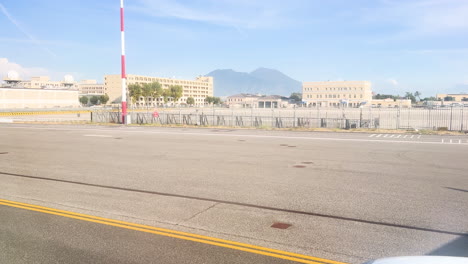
(418, 95)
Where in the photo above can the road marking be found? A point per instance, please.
(373, 135)
(398, 136)
(106, 136)
(442, 141)
(419, 136)
(122, 130)
(450, 141)
(412, 136)
(386, 135)
(392, 136)
(459, 141)
(379, 135)
(175, 234)
(405, 136)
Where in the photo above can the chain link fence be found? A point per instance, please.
(451, 118)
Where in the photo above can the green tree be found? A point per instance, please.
(175, 92)
(449, 98)
(209, 100)
(190, 101)
(432, 98)
(418, 95)
(135, 92)
(84, 100)
(166, 94)
(216, 100)
(94, 100)
(104, 99)
(410, 96)
(297, 97)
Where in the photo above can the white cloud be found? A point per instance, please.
(24, 31)
(24, 72)
(239, 14)
(393, 82)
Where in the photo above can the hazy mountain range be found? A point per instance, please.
(261, 80)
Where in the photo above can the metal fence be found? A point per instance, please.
(453, 118)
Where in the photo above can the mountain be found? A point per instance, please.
(262, 80)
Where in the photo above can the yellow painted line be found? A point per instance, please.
(175, 234)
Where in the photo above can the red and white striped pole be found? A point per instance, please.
(124, 76)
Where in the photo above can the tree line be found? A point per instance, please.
(94, 100)
(154, 90)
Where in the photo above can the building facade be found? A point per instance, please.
(389, 102)
(91, 87)
(257, 101)
(457, 97)
(336, 93)
(37, 98)
(45, 82)
(199, 88)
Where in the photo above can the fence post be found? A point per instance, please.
(360, 119)
(294, 117)
(398, 117)
(451, 114)
(461, 125)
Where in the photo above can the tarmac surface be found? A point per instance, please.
(348, 197)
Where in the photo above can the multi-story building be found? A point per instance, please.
(91, 87)
(454, 97)
(199, 88)
(257, 101)
(389, 102)
(45, 82)
(336, 93)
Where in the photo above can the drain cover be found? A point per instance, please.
(291, 146)
(3, 152)
(280, 225)
(299, 166)
(307, 162)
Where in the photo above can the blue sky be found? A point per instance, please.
(399, 45)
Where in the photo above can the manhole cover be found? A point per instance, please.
(3, 152)
(291, 146)
(299, 166)
(241, 140)
(284, 145)
(118, 138)
(280, 225)
(307, 162)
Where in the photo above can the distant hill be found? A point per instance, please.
(262, 80)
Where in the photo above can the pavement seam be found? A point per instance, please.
(201, 212)
(343, 218)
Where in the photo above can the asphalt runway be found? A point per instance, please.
(347, 197)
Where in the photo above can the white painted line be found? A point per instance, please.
(419, 136)
(5, 120)
(412, 136)
(405, 136)
(372, 135)
(392, 136)
(442, 141)
(398, 136)
(450, 141)
(173, 133)
(379, 135)
(459, 141)
(386, 135)
(105, 136)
